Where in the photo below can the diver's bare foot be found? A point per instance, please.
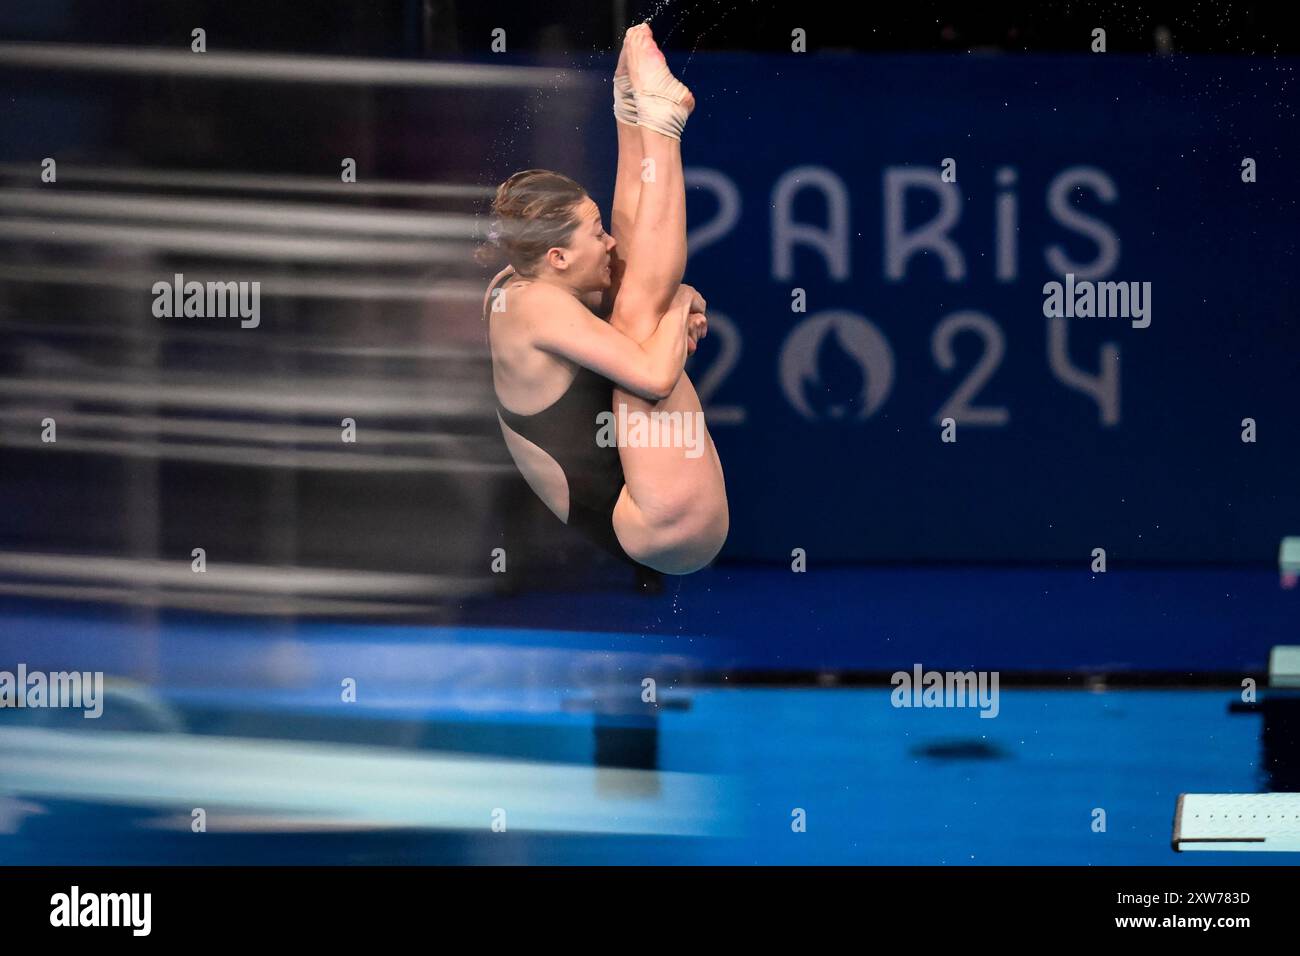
(625, 110)
(621, 69)
(649, 69)
(633, 55)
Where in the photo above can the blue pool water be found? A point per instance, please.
(873, 783)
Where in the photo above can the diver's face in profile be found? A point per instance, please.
(588, 263)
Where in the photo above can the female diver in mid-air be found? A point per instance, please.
(557, 365)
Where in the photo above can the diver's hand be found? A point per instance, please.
(688, 293)
(697, 327)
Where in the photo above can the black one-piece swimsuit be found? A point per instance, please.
(566, 430)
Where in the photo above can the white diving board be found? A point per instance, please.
(1262, 822)
(1288, 561)
(1284, 666)
(1288, 555)
(290, 784)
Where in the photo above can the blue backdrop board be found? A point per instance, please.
(819, 183)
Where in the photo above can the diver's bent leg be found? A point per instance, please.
(672, 515)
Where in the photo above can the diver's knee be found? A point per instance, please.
(692, 542)
(670, 518)
(636, 312)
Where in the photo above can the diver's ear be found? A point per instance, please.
(557, 258)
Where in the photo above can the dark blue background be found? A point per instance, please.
(1172, 482)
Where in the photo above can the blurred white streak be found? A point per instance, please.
(256, 433)
(221, 576)
(414, 290)
(198, 391)
(345, 461)
(252, 182)
(14, 812)
(233, 213)
(270, 604)
(323, 783)
(233, 245)
(259, 67)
